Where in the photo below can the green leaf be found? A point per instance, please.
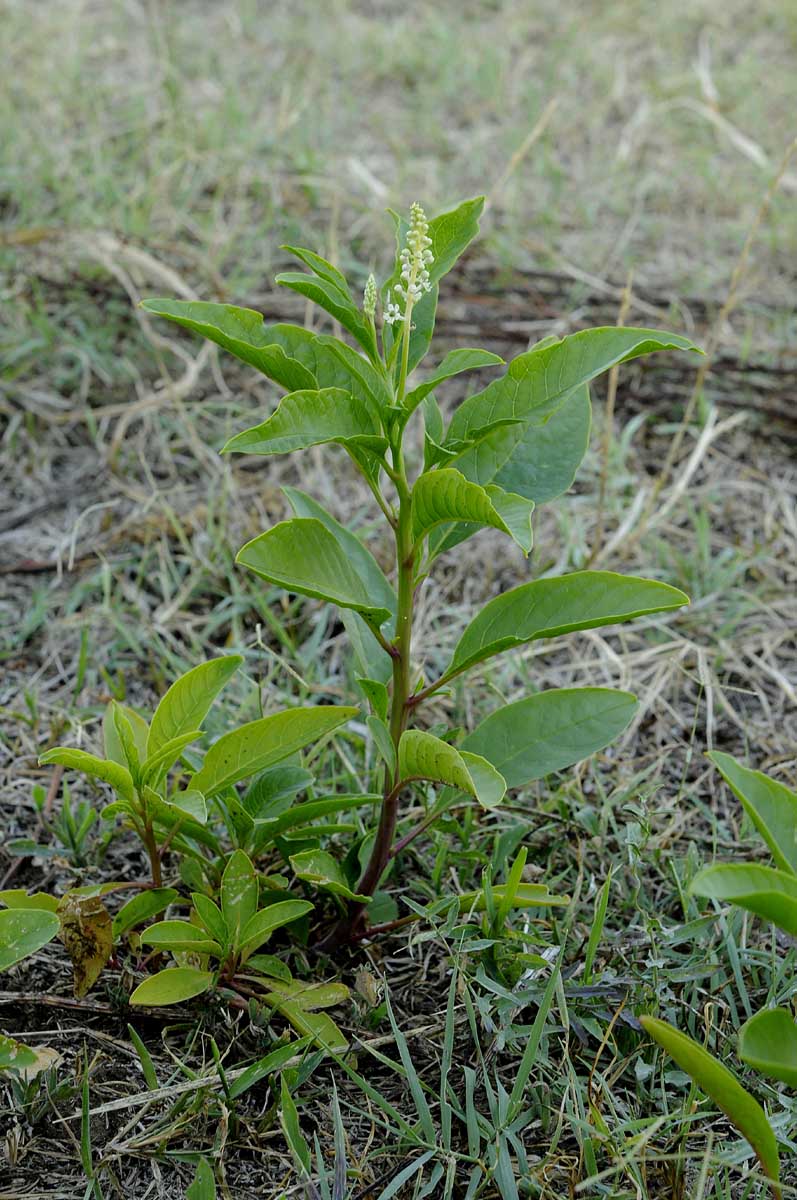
(724, 1089)
(211, 917)
(317, 1025)
(424, 756)
(454, 363)
(329, 296)
(765, 891)
(23, 931)
(550, 731)
(371, 657)
(203, 1185)
(141, 908)
(525, 895)
(117, 776)
(309, 997)
(180, 935)
(259, 744)
(311, 418)
(186, 703)
(322, 870)
(446, 495)
(321, 267)
(376, 694)
(19, 898)
(172, 986)
(536, 384)
(273, 790)
(242, 332)
(301, 816)
(289, 1120)
(771, 806)
(239, 894)
(768, 1042)
(549, 608)
(303, 556)
(127, 741)
(159, 763)
(260, 927)
(16, 1056)
(111, 743)
(383, 742)
(272, 1062)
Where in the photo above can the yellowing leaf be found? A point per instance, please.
(86, 931)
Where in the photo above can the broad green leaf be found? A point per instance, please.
(771, 806)
(180, 935)
(261, 925)
(186, 703)
(110, 772)
(303, 556)
(370, 656)
(301, 816)
(172, 986)
(141, 908)
(549, 608)
(307, 996)
(446, 495)
(274, 789)
(242, 332)
(536, 384)
(159, 763)
(23, 931)
(184, 810)
(239, 894)
(260, 744)
(765, 891)
(321, 869)
(127, 740)
(190, 803)
(203, 1185)
(112, 746)
(454, 363)
(383, 742)
(525, 895)
(550, 731)
(337, 364)
(317, 1025)
(19, 898)
(376, 694)
(16, 1056)
(724, 1089)
(311, 418)
(329, 296)
(768, 1042)
(450, 233)
(424, 756)
(211, 917)
(321, 267)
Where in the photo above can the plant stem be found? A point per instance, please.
(151, 845)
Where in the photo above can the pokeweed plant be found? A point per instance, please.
(516, 443)
(767, 1040)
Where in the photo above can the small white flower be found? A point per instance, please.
(415, 260)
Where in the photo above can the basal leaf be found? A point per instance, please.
(765, 891)
(141, 908)
(261, 925)
(259, 744)
(172, 986)
(211, 917)
(446, 495)
(110, 772)
(308, 996)
(724, 1089)
(321, 869)
(768, 1042)
(317, 1025)
(20, 898)
(23, 931)
(241, 332)
(303, 556)
(550, 731)
(771, 806)
(454, 363)
(423, 756)
(180, 936)
(185, 705)
(552, 607)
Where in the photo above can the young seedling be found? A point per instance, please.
(514, 444)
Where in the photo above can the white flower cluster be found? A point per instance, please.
(369, 298)
(415, 258)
